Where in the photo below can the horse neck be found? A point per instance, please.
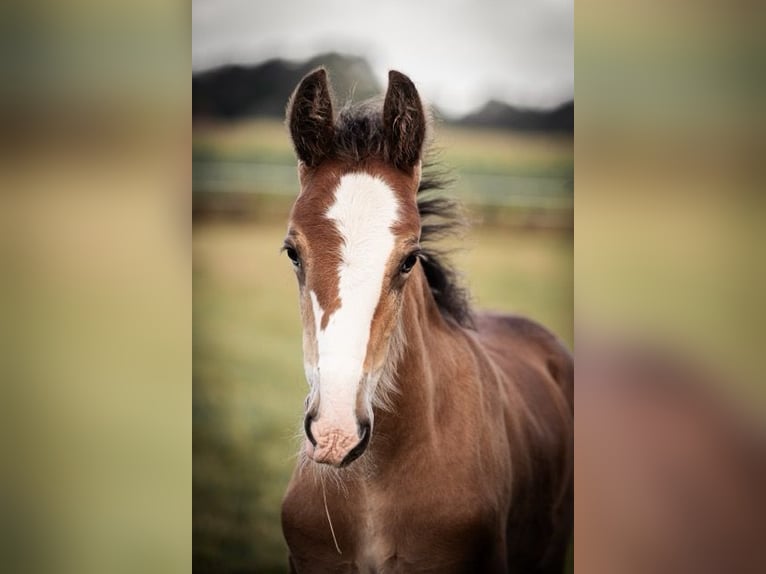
(414, 406)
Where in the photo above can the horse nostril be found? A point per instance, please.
(362, 429)
(307, 427)
(356, 452)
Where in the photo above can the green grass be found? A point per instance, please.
(248, 374)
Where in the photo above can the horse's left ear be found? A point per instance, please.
(404, 122)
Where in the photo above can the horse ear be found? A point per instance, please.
(310, 118)
(404, 121)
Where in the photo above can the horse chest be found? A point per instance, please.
(401, 533)
(384, 529)
(376, 544)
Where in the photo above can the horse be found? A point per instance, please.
(437, 438)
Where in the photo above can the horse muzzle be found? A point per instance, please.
(330, 444)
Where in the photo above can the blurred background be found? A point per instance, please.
(499, 77)
(670, 444)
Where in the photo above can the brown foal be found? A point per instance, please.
(436, 439)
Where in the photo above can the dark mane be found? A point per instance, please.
(359, 136)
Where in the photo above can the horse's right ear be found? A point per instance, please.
(404, 121)
(310, 118)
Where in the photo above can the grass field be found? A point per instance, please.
(248, 375)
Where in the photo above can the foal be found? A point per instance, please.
(445, 436)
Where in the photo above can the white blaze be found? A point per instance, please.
(364, 210)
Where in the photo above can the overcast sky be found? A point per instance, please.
(458, 52)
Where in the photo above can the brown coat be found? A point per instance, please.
(472, 469)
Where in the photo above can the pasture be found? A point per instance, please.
(249, 384)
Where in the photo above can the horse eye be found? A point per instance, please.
(409, 263)
(293, 255)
